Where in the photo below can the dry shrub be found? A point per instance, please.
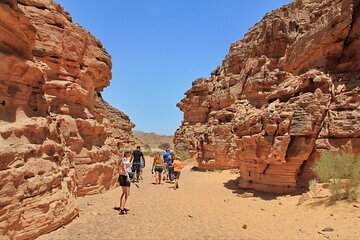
(149, 153)
(342, 171)
(183, 154)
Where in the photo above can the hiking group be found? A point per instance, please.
(130, 169)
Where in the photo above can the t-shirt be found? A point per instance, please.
(170, 161)
(177, 165)
(137, 154)
(166, 156)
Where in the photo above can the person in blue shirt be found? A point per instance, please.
(166, 156)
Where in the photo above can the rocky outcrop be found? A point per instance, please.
(152, 141)
(285, 93)
(58, 138)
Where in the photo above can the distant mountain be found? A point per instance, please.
(153, 139)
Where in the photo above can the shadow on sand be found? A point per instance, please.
(233, 185)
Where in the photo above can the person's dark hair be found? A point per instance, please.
(138, 147)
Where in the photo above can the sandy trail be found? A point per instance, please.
(206, 206)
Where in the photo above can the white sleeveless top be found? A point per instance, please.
(126, 162)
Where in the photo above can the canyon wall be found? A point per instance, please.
(286, 92)
(58, 138)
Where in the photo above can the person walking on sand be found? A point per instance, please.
(177, 169)
(142, 165)
(170, 167)
(166, 156)
(157, 167)
(136, 162)
(124, 169)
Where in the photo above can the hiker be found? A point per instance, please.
(142, 165)
(166, 156)
(170, 167)
(177, 168)
(136, 162)
(157, 167)
(124, 169)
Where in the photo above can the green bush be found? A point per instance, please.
(184, 154)
(149, 153)
(342, 171)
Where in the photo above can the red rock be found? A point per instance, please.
(284, 93)
(58, 138)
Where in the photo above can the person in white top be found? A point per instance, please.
(124, 168)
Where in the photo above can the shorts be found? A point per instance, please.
(123, 181)
(136, 167)
(177, 174)
(158, 169)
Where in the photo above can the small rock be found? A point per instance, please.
(304, 197)
(331, 215)
(355, 206)
(262, 209)
(247, 195)
(328, 229)
(280, 203)
(244, 226)
(190, 216)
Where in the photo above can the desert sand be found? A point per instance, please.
(208, 205)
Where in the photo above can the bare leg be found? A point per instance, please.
(126, 193)
(141, 174)
(122, 196)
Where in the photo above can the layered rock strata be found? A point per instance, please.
(58, 138)
(285, 93)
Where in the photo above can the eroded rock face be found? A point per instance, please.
(57, 136)
(286, 92)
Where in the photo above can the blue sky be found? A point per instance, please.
(159, 47)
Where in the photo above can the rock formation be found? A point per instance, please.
(57, 136)
(285, 93)
(152, 140)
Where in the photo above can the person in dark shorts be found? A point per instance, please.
(157, 167)
(136, 162)
(124, 168)
(170, 167)
(166, 156)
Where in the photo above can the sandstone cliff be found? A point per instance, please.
(286, 92)
(57, 136)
